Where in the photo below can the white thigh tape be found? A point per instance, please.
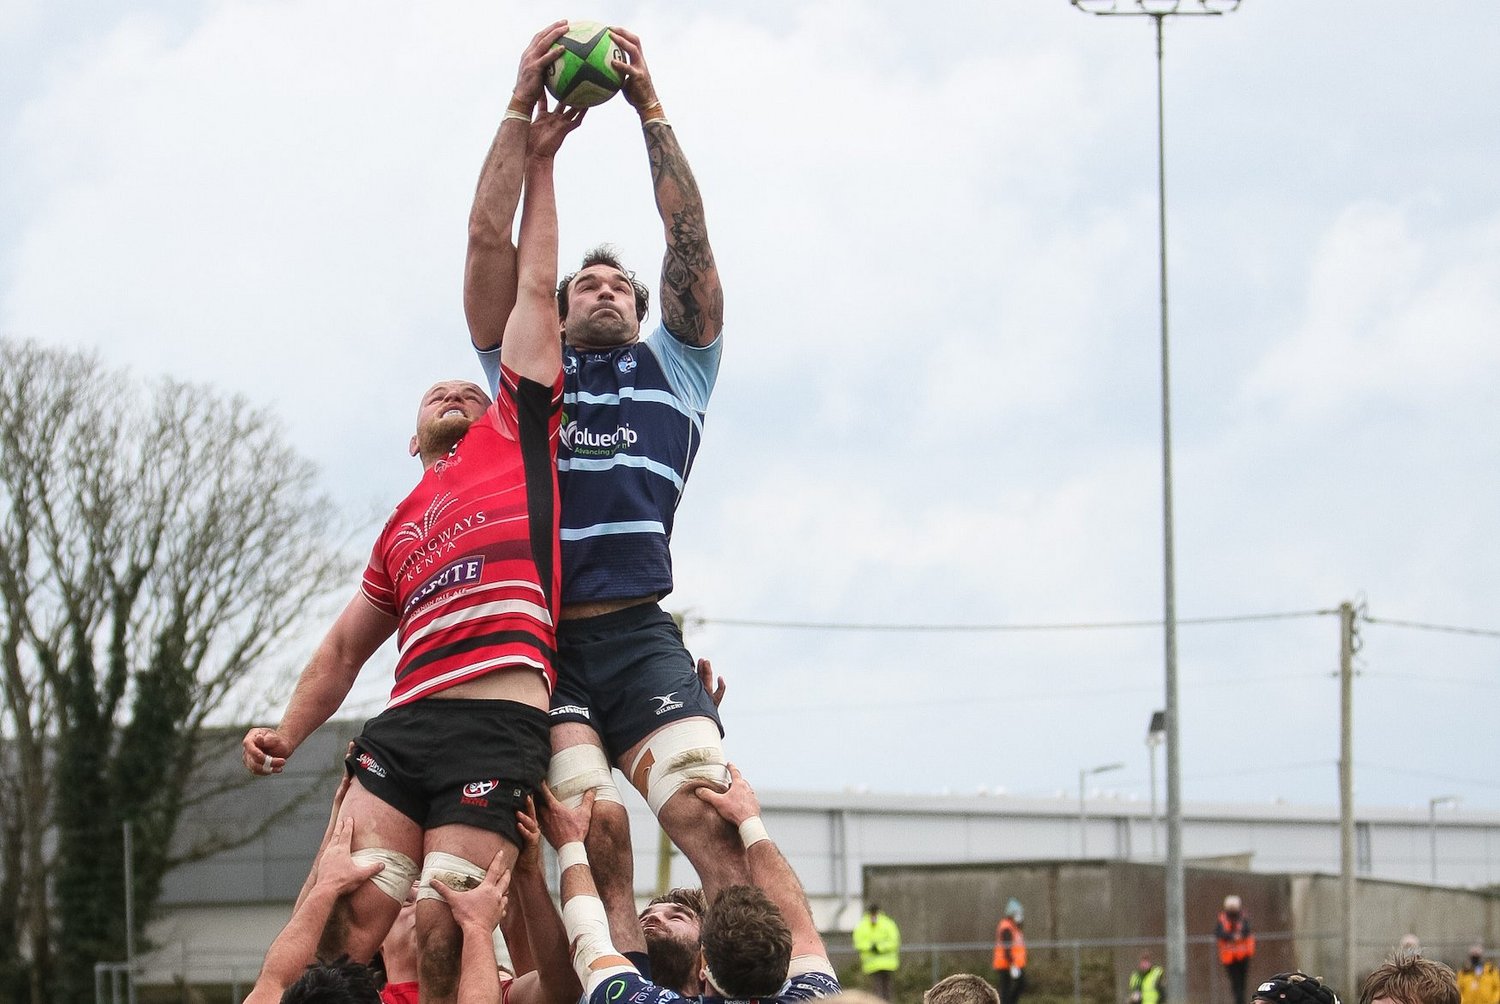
(449, 869)
(396, 877)
(685, 753)
(575, 770)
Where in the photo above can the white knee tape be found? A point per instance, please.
(396, 877)
(449, 869)
(682, 754)
(575, 770)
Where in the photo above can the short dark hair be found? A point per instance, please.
(961, 988)
(746, 943)
(1410, 979)
(687, 897)
(342, 981)
(603, 255)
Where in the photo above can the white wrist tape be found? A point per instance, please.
(570, 854)
(753, 831)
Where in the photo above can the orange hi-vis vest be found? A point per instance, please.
(1239, 945)
(1010, 945)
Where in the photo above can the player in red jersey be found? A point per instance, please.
(465, 574)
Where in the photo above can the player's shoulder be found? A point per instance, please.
(631, 988)
(809, 986)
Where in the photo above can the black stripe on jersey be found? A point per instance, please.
(464, 645)
(535, 407)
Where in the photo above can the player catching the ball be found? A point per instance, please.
(628, 694)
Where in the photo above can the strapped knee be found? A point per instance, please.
(396, 877)
(449, 869)
(686, 753)
(575, 770)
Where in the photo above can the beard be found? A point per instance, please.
(440, 435)
(602, 329)
(674, 963)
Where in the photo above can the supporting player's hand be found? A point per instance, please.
(562, 825)
(549, 127)
(265, 751)
(529, 862)
(481, 908)
(706, 677)
(337, 869)
(537, 56)
(639, 90)
(735, 804)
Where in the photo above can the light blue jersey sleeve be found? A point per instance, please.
(691, 369)
(489, 361)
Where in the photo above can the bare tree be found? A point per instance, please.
(158, 543)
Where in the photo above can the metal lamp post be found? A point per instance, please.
(1432, 807)
(1158, 11)
(1083, 813)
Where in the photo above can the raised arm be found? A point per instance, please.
(533, 339)
(692, 301)
(294, 948)
(322, 687)
(595, 957)
(490, 266)
(553, 981)
(768, 868)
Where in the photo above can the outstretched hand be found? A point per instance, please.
(639, 90)
(706, 677)
(548, 128)
(530, 859)
(537, 56)
(337, 869)
(562, 825)
(482, 907)
(736, 803)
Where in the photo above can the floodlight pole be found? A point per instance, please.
(1176, 921)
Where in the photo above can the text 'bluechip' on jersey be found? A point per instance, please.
(632, 422)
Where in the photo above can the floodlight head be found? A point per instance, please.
(1156, 8)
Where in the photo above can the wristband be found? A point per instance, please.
(518, 106)
(511, 113)
(753, 831)
(659, 120)
(570, 854)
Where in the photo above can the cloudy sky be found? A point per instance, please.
(939, 404)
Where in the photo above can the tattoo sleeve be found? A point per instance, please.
(692, 301)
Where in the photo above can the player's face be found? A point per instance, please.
(601, 308)
(668, 920)
(445, 414)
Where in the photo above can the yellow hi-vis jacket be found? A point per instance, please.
(1482, 987)
(878, 942)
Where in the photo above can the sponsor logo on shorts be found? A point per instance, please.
(475, 791)
(669, 702)
(367, 763)
(570, 709)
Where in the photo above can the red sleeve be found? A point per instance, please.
(518, 398)
(377, 585)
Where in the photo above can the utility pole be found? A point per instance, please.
(1346, 787)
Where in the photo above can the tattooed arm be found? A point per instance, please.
(692, 301)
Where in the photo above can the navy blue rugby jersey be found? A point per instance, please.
(632, 988)
(632, 424)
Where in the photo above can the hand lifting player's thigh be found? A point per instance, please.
(384, 834)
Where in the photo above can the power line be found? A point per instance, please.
(1443, 628)
(698, 620)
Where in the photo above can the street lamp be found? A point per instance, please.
(1432, 807)
(1158, 11)
(1156, 734)
(1083, 813)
